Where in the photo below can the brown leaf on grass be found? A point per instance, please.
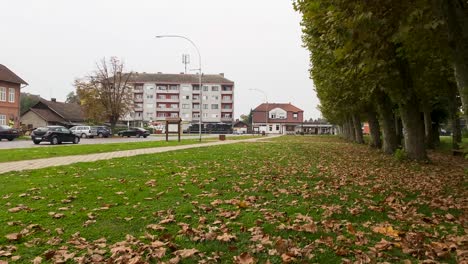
(14, 236)
(244, 258)
(151, 183)
(19, 208)
(185, 253)
(15, 258)
(386, 230)
(37, 260)
(56, 215)
(226, 237)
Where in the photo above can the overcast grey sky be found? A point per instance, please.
(257, 44)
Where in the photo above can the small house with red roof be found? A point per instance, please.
(276, 118)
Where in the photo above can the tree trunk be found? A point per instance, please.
(351, 131)
(386, 119)
(457, 20)
(357, 129)
(414, 129)
(428, 137)
(454, 104)
(374, 128)
(398, 130)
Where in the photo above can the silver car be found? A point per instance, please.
(82, 131)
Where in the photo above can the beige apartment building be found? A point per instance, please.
(159, 96)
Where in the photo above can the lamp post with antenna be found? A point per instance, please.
(199, 75)
(266, 110)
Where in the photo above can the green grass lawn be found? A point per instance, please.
(293, 199)
(67, 150)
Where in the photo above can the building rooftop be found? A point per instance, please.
(179, 78)
(270, 106)
(7, 75)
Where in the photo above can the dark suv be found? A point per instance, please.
(100, 131)
(54, 135)
(8, 133)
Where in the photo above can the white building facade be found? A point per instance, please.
(158, 96)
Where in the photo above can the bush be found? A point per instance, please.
(400, 155)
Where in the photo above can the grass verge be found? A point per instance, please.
(294, 199)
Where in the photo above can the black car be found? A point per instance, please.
(100, 131)
(9, 133)
(54, 135)
(134, 131)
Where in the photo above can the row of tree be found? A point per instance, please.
(401, 65)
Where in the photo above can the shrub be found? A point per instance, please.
(400, 154)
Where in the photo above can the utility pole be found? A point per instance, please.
(185, 61)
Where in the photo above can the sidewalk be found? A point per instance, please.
(66, 160)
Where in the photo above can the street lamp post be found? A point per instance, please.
(199, 76)
(266, 110)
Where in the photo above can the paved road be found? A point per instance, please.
(4, 144)
(66, 160)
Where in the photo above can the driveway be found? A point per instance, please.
(29, 144)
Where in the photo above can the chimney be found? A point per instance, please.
(222, 74)
(53, 99)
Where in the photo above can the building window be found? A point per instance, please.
(205, 115)
(3, 120)
(214, 115)
(162, 88)
(215, 97)
(196, 115)
(174, 97)
(196, 88)
(3, 94)
(295, 115)
(174, 106)
(185, 106)
(214, 106)
(205, 88)
(205, 97)
(149, 96)
(226, 98)
(161, 114)
(273, 116)
(277, 127)
(196, 97)
(11, 98)
(174, 115)
(270, 128)
(227, 88)
(196, 106)
(205, 106)
(186, 97)
(174, 88)
(214, 88)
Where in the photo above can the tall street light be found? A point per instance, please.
(266, 110)
(199, 76)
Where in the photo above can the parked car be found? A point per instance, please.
(9, 133)
(101, 131)
(82, 131)
(134, 131)
(54, 135)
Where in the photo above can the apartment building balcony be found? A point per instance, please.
(228, 101)
(226, 119)
(196, 100)
(137, 90)
(165, 100)
(167, 109)
(226, 110)
(226, 92)
(167, 91)
(138, 109)
(138, 100)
